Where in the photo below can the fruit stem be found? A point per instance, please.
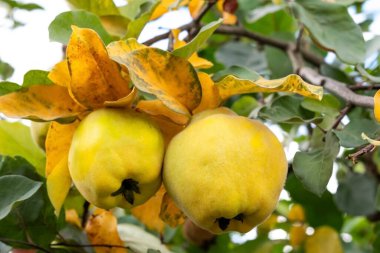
(127, 189)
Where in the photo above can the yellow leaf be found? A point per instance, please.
(123, 102)
(157, 108)
(115, 25)
(210, 94)
(40, 102)
(325, 239)
(149, 212)
(101, 228)
(170, 78)
(168, 128)
(372, 141)
(58, 143)
(194, 59)
(71, 216)
(231, 85)
(121, 47)
(170, 213)
(195, 7)
(60, 74)
(377, 105)
(95, 78)
(166, 5)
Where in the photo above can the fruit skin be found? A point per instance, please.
(324, 240)
(113, 145)
(225, 171)
(39, 131)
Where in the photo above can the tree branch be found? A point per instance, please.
(338, 88)
(32, 245)
(194, 24)
(366, 149)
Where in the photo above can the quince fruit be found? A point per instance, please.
(324, 240)
(39, 131)
(115, 158)
(225, 171)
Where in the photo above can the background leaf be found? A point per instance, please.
(288, 109)
(195, 44)
(314, 168)
(16, 140)
(356, 194)
(315, 206)
(14, 188)
(60, 27)
(350, 136)
(332, 26)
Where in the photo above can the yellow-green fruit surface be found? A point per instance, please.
(225, 171)
(324, 240)
(39, 131)
(112, 150)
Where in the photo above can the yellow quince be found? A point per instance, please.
(115, 158)
(225, 171)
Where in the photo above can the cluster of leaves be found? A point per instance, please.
(247, 67)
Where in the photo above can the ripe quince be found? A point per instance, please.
(324, 240)
(225, 171)
(115, 158)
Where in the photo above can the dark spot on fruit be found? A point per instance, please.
(223, 223)
(128, 188)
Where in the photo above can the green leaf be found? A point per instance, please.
(235, 53)
(136, 26)
(279, 63)
(356, 194)
(18, 166)
(335, 73)
(16, 140)
(8, 87)
(32, 220)
(195, 44)
(275, 23)
(364, 73)
(372, 46)
(39, 77)
(314, 168)
(244, 105)
(237, 71)
(319, 210)
(133, 9)
(328, 105)
(333, 28)
(6, 70)
(14, 188)
(288, 109)
(60, 28)
(260, 12)
(350, 136)
(98, 7)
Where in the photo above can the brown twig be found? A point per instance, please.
(88, 245)
(343, 113)
(362, 87)
(187, 27)
(338, 88)
(366, 149)
(32, 245)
